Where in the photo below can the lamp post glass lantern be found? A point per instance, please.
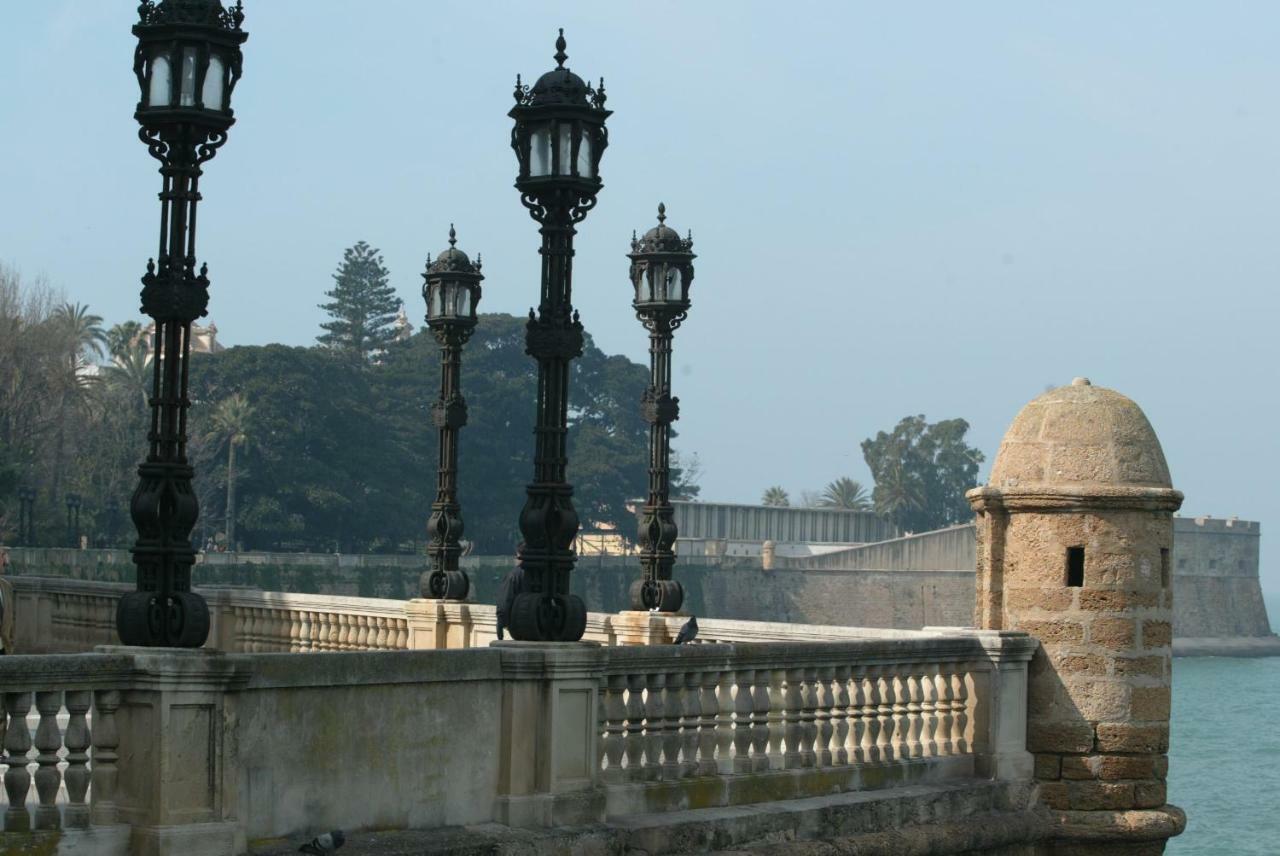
(661, 273)
(558, 137)
(187, 63)
(451, 290)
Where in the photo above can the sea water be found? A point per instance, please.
(1224, 753)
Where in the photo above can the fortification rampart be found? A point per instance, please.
(909, 582)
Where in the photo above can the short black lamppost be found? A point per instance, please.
(451, 290)
(661, 272)
(73, 520)
(558, 137)
(26, 516)
(187, 64)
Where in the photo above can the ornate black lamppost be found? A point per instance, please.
(187, 64)
(452, 290)
(26, 516)
(661, 272)
(73, 520)
(559, 136)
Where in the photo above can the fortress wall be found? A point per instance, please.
(1216, 591)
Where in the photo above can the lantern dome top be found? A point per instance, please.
(206, 13)
(1080, 436)
(453, 260)
(560, 86)
(662, 238)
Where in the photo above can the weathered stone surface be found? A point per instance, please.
(1113, 767)
(1156, 634)
(1151, 703)
(1127, 737)
(1090, 796)
(1066, 737)
(1114, 634)
(1048, 767)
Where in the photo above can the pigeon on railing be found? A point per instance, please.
(324, 843)
(689, 631)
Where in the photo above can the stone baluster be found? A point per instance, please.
(690, 723)
(402, 634)
(840, 716)
(960, 713)
(239, 642)
(346, 639)
(857, 717)
(294, 643)
(634, 744)
(319, 631)
(943, 684)
(760, 721)
(673, 716)
(613, 716)
(809, 717)
(792, 719)
(17, 743)
(724, 723)
(48, 742)
(76, 814)
(928, 713)
(362, 632)
(381, 642)
(871, 716)
(744, 707)
(304, 630)
(653, 726)
(106, 743)
(708, 723)
(281, 629)
(901, 722)
(335, 631)
(884, 714)
(823, 694)
(915, 713)
(776, 680)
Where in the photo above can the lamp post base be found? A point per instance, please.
(657, 595)
(445, 585)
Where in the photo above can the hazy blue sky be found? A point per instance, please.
(898, 208)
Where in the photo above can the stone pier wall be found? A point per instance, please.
(911, 582)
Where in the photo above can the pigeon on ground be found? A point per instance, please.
(324, 843)
(689, 632)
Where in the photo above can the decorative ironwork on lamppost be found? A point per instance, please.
(661, 273)
(187, 63)
(73, 520)
(559, 136)
(451, 290)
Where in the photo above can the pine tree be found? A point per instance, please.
(363, 305)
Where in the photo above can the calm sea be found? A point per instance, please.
(1224, 753)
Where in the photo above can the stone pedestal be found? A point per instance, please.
(549, 754)
(170, 787)
(639, 627)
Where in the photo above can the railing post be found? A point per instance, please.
(106, 743)
(48, 742)
(171, 788)
(549, 770)
(998, 702)
(17, 743)
(77, 741)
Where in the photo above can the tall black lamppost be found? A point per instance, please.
(187, 64)
(559, 136)
(451, 290)
(661, 272)
(73, 520)
(26, 516)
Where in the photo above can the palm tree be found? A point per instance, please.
(79, 334)
(845, 493)
(231, 425)
(122, 338)
(776, 497)
(131, 371)
(897, 494)
(82, 330)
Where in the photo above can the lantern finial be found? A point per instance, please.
(662, 213)
(560, 56)
(453, 236)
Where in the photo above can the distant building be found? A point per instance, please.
(404, 329)
(204, 340)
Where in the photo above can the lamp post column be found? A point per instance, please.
(661, 273)
(558, 138)
(187, 63)
(452, 291)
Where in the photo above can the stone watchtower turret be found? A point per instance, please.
(1075, 532)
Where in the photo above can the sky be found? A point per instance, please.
(898, 208)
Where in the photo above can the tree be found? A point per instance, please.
(921, 473)
(230, 423)
(775, 497)
(363, 305)
(845, 493)
(131, 372)
(123, 338)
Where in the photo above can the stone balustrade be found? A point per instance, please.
(213, 749)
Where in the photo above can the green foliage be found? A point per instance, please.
(362, 307)
(775, 497)
(922, 471)
(845, 493)
(124, 338)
